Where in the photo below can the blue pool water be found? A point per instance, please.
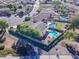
(54, 33)
(64, 17)
(52, 25)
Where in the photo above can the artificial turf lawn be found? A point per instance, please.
(59, 25)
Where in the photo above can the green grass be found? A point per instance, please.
(6, 52)
(59, 25)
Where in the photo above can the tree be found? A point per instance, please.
(20, 7)
(70, 35)
(74, 23)
(3, 24)
(12, 7)
(60, 8)
(9, 6)
(27, 18)
(38, 11)
(27, 30)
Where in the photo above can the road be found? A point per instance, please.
(35, 8)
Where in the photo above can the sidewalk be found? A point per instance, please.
(41, 57)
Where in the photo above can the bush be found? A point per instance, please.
(6, 51)
(13, 7)
(27, 18)
(27, 30)
(20, 7)
(2, 47)
(3, 23)
(38, 11)
(63, 44)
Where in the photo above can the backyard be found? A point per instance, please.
(23, 34)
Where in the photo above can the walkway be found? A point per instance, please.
(41, 57)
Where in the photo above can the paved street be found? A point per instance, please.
(35, 8)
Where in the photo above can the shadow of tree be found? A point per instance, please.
(29, 57)
(77, 39)
(25, 51)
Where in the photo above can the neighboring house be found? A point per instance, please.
(28, 1)
(8, 1)
(48, 1)
(40, 17)
(69, 1)
(5, 12)
(76, 2)
(20, 12)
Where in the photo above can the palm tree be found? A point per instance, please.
(3, 26)
(74, 23)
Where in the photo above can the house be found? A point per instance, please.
(42, 27)
(40, 17)
(28, 1)
(46, 1)
(8, 1)
(5, 12)
(76, 2)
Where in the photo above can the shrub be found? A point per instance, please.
(3, 23)
(6, 51)
(13, 7)
(27, 30)
(27, 18)
(2, 47)
(20, 7)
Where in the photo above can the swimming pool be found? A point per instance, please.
(51, 25)
(54, 33)
(64, 18)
